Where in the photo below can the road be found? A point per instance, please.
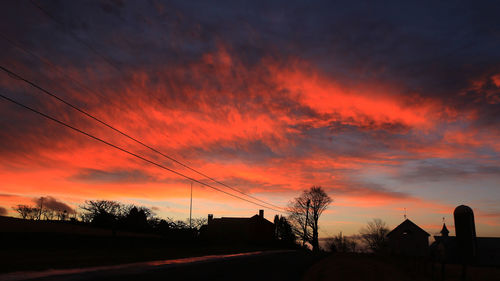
(270, 265)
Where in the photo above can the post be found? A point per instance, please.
(305, 224)
(41, 207)
(191, 207)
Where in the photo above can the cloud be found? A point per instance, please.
(269, 97)
(52, 203)
(446, 169)
(367, 190)
(112, 176)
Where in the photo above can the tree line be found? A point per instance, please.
(301, 224)
(371, 238)
(108, 214)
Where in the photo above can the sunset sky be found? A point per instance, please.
(386, 106)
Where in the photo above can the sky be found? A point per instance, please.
(391, 107)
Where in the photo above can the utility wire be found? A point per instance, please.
(15, 75)
(109, 61)
(131, 153)
(18, 45)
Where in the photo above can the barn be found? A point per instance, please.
(408, 239)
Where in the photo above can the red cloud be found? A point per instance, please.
(199, 110)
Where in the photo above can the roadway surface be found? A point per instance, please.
(270, 265)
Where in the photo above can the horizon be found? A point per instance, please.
(393, 110)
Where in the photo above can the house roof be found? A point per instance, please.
(407, 224)
(235, 220)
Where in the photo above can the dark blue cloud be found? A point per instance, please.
(431, 48)
(112, 176)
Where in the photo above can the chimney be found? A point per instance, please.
(210, 218)
(261, 213)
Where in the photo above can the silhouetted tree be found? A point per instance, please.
(179, 224)
(102, 212)
(48, 214)
(341, 244)
(50, 208)
(197, 223)
(136, 219)
(284, 231)
(62, 215)
(85, 217)
(126, 209)
(27, 212)
(22, 210)
(160, 225)
(308, 207)
(374, 234)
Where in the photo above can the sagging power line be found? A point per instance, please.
(110, 62)
(49, 93)
(131, 153)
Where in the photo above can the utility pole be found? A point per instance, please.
(305, 225)
(41, 207)
(191, 207)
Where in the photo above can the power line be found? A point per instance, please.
(18, 45)
(109, 61)
(17, 76)
(33, 2)
(131, 153)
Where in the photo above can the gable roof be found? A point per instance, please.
(239, 221)
(407, 224)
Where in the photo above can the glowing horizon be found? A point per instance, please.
(370, 112)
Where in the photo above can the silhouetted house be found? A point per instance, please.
(445, 249)
(408, 239)
(253, 229)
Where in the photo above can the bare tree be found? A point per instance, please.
(48, 214)
(62, 215)
(197, 222)
(374, 235)
(34, 213)
(305, 211)
(102, 206)
(180, 224)
(85, 217)
(125, 210)
(102, 212)
(27, 212)
(23, 210)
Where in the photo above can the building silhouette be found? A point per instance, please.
(408, 239)
(445, 249)
(230, 229)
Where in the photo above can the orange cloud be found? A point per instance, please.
(211, 111)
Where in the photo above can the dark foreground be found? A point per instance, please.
(272, 265)
(42, 245)
(362, 267)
